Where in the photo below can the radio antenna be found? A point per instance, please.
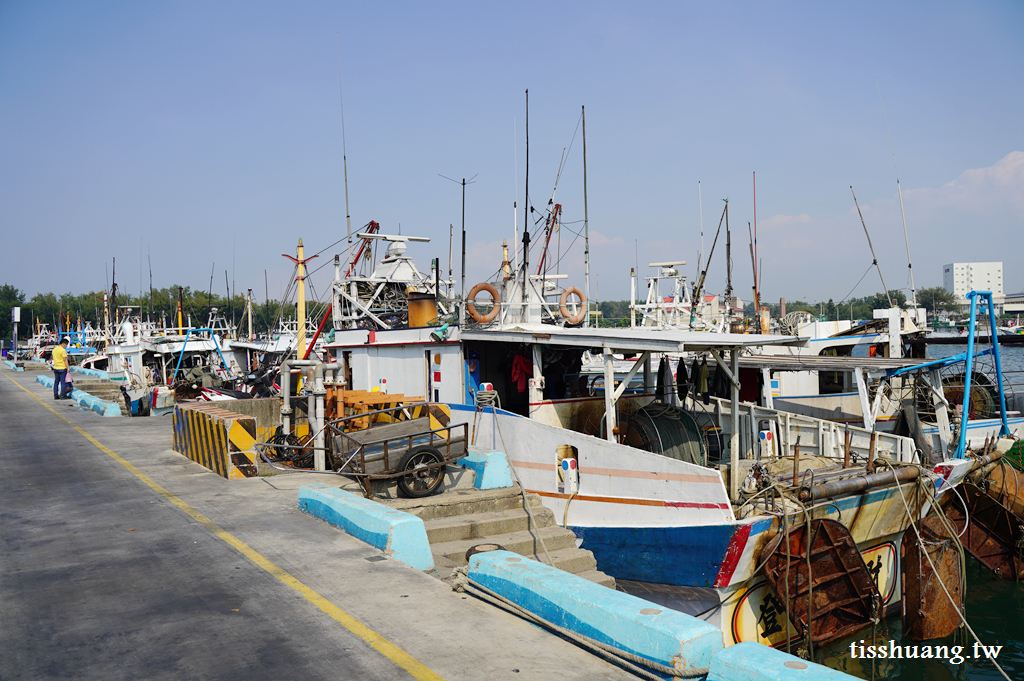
(344, 150)
(910, 266)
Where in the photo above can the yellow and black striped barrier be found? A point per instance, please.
(216, 438)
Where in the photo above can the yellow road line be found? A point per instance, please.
(385, 647)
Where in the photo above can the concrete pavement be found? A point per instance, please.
(120, 558)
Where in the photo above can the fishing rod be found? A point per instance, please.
(874, 258)
(699, 286)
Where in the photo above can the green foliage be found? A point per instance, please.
(159, 308)
(9, 297)
(936, 299)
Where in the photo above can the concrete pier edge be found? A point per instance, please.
(101, 407)
(758, 662)
(612, 617)
(400, 535)
(95, 373)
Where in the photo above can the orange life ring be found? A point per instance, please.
(565, 310)
(471, 307)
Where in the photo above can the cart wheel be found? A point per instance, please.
(421, 481)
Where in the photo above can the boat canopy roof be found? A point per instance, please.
(826, 363)
(627, 340)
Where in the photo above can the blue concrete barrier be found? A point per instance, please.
(400, 535)
(14, 367)
(101, 407)
(95, 373)
(629, 623)
(755, 662)
(490, 466)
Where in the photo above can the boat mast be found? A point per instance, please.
(874, 259)
(728, 269)
(910, 265)
(526, 210)
(344, 150)
(586, 222)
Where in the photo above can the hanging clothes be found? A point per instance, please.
(665, 388)
(703, 384)
(522, 371)
(695, 378)
(682, 381)
(720, 385)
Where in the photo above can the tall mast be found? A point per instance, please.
(344, 150)
(757, 282)
(515, 208)
(586, 222)
(910, 265)
(728, 269)
(874, 259)
(526, 208)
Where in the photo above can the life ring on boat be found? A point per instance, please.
(495, 299)
(564, 309)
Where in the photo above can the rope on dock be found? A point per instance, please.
(629, 661)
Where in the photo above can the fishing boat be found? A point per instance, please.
(634, 476)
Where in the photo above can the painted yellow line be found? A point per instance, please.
(385, 647)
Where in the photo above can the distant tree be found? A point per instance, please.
(830, 311)
(936, 299)
(9, 297)
(880, 302)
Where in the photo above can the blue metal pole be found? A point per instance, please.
(217, 345)
(961, 448)
(1005, 430)
(182, 354)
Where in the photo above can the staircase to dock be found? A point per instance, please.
(98, 387)
(462, 518)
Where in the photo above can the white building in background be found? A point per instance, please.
(960, 278)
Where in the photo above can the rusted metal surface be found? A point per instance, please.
(927, 610)
(856, 485)
(844, 597)
(1005, 484)
(993, 534)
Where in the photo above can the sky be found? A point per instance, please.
(191, 137)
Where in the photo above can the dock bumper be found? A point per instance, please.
(755, 662)
(94, 373)
(398, 534)
(626, 622)
(216, 438)
(489, 465)
(101, 407)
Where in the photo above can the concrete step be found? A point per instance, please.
(464, 501)
(484, 525)
(523, 542)
(598, 577)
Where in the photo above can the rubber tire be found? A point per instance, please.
(406, 482)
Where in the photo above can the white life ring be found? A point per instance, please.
(563, 308)
(471, 307)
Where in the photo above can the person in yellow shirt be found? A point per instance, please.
(61, 365)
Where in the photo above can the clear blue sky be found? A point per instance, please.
(210, 133)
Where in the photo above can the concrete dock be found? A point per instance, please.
(120, 558)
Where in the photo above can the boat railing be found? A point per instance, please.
(813, 435)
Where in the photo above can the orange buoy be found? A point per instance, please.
(563, 308)
(471, 306)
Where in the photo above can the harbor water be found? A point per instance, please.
(995, 606)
